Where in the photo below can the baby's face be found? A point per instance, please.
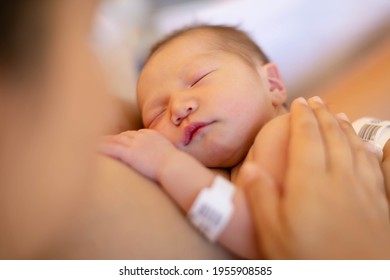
(209, 103)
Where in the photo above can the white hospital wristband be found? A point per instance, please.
(213, 208)
(373, 131)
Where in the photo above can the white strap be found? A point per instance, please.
(213, 208)
(373, 131)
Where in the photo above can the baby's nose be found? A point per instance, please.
(179, 115)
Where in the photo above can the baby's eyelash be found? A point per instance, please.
(200, 78)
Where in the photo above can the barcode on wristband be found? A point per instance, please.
(368, 132)
(208, 218)
(210, 214)
(213, 208)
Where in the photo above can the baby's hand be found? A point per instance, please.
(144, 150)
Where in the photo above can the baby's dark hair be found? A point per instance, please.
(229, 38)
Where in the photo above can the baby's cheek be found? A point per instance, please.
(270, 149)
(166, 130)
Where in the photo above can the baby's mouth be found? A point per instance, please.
(192, 130)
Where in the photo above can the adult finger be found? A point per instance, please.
(366, 164)
(386, 170)
(306, 147)
(338, 150)
(263, 197)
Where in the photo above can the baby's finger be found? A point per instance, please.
(125, 138)
(130, 133)
(338, 150)
(114, 151)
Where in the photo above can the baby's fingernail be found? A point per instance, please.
(317, 99)
(343, 116)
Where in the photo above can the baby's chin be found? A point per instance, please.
(218, 152)
(219, 159)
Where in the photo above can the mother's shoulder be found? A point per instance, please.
(137, 220)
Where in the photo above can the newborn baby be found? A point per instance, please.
(205, 93)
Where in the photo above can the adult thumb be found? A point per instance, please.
(263, 197)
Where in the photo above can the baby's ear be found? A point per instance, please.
(275, 84)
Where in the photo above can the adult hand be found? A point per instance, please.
(386, 168)
(332, 205)
(144, 150)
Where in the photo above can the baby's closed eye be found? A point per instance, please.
(156, 117)
(199, 77)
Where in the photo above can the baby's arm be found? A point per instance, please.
(270, 148)
(183, 177)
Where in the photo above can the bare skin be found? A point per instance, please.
(117, 226)
(88, 206)
(386, 168)
(58, 198)
(258, 154)
(339, 212)
(272, 159)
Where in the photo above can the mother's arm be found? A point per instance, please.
(129, 217)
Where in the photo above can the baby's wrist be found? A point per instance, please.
(168, 165)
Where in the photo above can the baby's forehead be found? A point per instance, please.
(235, 43)
(180, 55)
(189, 43)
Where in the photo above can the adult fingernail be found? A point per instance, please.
(343, 116)
(317, 99)
(301, 100)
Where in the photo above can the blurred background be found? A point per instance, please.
(313, 42)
